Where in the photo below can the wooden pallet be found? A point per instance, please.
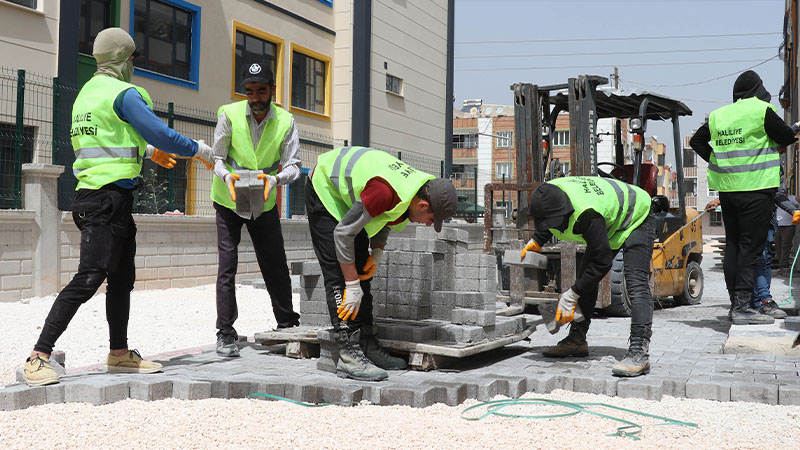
(301, 342)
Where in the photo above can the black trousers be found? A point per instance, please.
(637, 254)
(322, 224)
(783, 246)
(108, 248)
(265, 232)
(746, 217)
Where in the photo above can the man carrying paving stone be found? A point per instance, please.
(607, 215)
(252, 140)
(354, 196)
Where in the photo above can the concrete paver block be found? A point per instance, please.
(788, 395)
(759, 393)
(640, 387)
(21, 396)
(183, 389)
(707, 389)
(150, 389)
(96, 390)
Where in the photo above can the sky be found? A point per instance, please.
(657, 45)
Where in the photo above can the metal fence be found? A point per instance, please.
(34, 128)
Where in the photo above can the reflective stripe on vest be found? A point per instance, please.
(631, 203)
(232, 162)
(747, 168)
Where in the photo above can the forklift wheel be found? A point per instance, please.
(692, 285)
(620, 302)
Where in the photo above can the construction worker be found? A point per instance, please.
(784, 236)
(112, 122)
(607, 215)
(744, 166)
(252, 134)
(354, 196)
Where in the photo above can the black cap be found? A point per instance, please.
(257, 73)
(444, 201)
(749, 84)
(550, 206)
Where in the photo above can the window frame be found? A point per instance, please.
(194, 56)
(554, 140)
(326, 115)
(508, 139)
(498, 175)
(399, 84)
(280, 45)
(35, 8)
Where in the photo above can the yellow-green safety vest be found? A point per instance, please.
(341, 175)
(107, 148)
(242, 154)
(623, 206)
(744, 157)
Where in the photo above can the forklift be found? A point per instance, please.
(678, 249)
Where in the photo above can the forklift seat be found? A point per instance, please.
(648, 177)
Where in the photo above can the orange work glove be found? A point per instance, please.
(351, 300)
(163, 159)
(372, 264)
(230, 179)
(532, 246)
(796, 217)
(269, 184)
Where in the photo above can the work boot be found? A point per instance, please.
(377, 354)
(572, 345)
(38, 372)
(637, 361)
(226, 346)
(770, 308)
(352, 361)
(131, 362)
(743, 314)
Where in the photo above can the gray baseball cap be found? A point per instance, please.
(444, 201)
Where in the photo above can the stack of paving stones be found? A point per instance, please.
(428, 289)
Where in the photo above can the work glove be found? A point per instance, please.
(351, 300)
(568, 308)
(204, 154)
(230, 180)
(163, 159)
(796, 217)
(532, 246)
(372, 264)
(269, 184)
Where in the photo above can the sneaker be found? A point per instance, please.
(226, 346)
(770, 308)
(131, 362)
(750, 317)
(38, 372)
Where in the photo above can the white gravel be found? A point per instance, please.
(183, 318)
(160, 321)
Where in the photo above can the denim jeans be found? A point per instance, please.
(764, 272)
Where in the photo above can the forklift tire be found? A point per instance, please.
(620, 302)
(692, 285)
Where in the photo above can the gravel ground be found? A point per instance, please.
(160, 321)
(247, 424)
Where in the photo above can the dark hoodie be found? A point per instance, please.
(747, 85)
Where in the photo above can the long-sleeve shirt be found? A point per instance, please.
(131, 107)
(786, 206)
(592, 227)
(376, 198)
(775, 127)
(289, 149)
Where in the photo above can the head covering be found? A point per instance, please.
(444, 201)
(113, 48)
(749, 84)
(550, 207)
(257, 73)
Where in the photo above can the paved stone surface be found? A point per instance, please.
(686, 354)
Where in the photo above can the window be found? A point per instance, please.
(167, 35)
(505, 139)
(715, 220)
(502, 169)
(661, 159)
(95, 17)
(9, 196)
(394, 84)
(27, 3)
(712, 194)
(564, 167)
(252, 45)
(310, 77)
(560, 138)
(465, 140)
(296, 196)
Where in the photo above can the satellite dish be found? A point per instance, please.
(499, 110)
(473, 110)
(488, 110)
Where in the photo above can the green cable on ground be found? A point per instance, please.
(791, 273)
(630, 429)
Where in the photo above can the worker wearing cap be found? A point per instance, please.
(608, 216)
(112, 124)
(743, 157)
(253, 134)
(354, 197)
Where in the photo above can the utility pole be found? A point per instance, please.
(616, 78)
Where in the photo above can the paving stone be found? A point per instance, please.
(759, 393)
(21, 396)
(789, 395)
(640, 387)
(183, 389)
(792, 323)
(710, 390)
(599, 384)
(548, 382)
(150, 389)
(55, 393)
(96, 390)
(414, 396)
(451, 394)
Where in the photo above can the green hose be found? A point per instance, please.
(791, 273)
(630, 429)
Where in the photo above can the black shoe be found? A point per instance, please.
(226, 346)
(770, 308)
(573, 345)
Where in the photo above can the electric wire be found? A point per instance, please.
(630, 38)
(593, 66)
(632, 52)
(694, 83)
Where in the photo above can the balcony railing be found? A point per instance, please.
(691, 201)
(690, 172)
